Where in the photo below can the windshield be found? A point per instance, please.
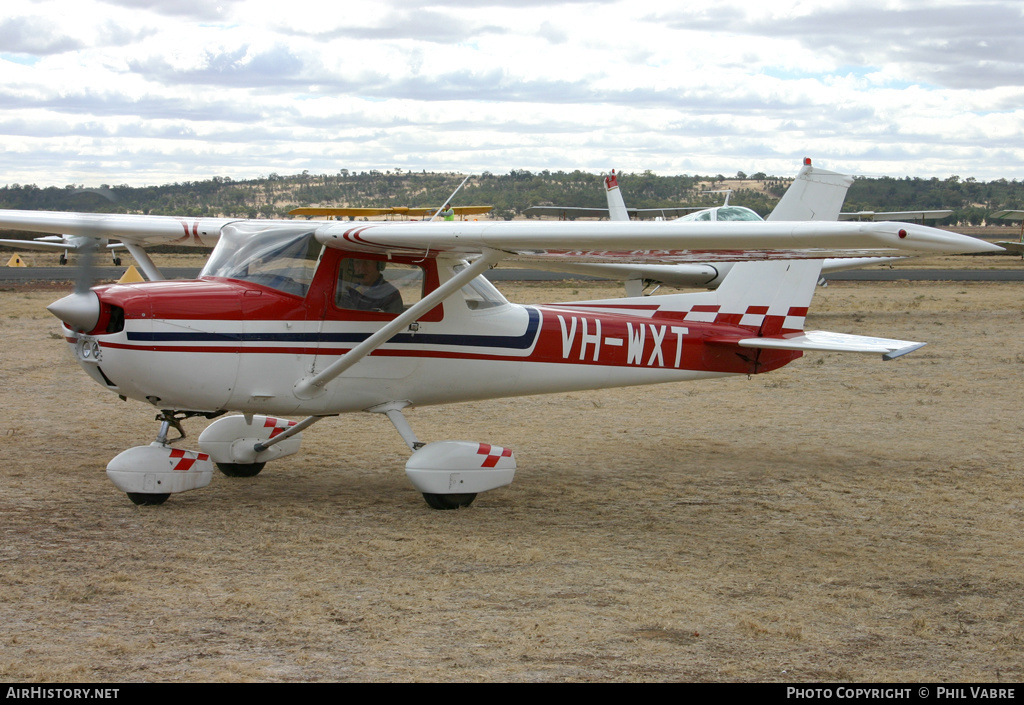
(737, 213)
(278, 256)
(724, 213)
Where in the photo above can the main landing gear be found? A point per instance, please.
(241, 469)
(450, 474)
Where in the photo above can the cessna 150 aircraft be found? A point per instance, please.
(298, 318)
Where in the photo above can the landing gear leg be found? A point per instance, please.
(450, 474)
(150, 474)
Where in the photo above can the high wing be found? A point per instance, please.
(647, 242)
(136, 229)
(601, 241)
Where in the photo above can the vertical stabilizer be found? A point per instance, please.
(815, 194)
(770, 297)
(616, 206)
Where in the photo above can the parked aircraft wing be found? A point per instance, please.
(54, 246)
(137, 229)
(914, 216)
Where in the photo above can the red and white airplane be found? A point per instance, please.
(315, 319)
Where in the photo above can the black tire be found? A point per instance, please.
(449, 501)
(144, 500)
(117, 261)
(240, 469)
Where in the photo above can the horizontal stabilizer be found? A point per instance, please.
(825, 341)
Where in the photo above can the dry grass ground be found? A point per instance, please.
(840, 519)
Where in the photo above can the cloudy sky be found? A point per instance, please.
(155, 91)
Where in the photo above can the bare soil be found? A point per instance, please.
(842, 519)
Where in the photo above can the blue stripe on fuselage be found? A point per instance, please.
(508, 342)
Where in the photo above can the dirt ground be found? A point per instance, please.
(841, 519)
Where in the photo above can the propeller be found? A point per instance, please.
(80, 310)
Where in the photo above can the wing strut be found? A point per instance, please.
(312, 386)
(151, 271)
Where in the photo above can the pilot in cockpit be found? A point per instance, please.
(361, 286)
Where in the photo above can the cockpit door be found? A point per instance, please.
(354, 295)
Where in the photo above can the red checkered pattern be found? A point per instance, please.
(752, 316)
(279, 425)
(493, 453)
(186, 458)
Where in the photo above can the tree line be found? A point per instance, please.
(510, 194)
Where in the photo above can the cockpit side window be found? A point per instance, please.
(480, 293)
(376, 285)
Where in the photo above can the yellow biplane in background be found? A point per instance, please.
(395, 213)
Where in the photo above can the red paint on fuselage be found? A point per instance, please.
(582, 334)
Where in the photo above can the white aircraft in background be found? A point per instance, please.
(66, 244)
(815, 195)
(293, 317)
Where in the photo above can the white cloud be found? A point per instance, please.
(151, 91)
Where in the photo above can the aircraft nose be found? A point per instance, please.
(80, 311)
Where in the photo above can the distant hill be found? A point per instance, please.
(510, 194)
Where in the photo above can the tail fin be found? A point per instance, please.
(616, 206)
(768, 298)
(815, 194)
